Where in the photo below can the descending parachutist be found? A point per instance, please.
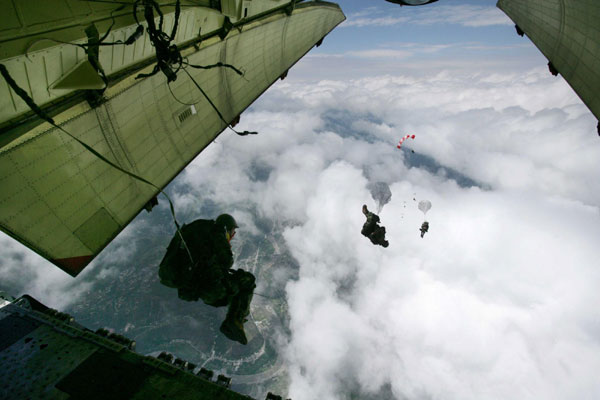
(372, 230)
(424, 205)
(424, 228)
(403, 139)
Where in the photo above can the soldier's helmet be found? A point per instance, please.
(227, 221)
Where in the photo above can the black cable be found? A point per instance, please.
(244, 133)
(262, 295)
(135, 4)
(187, 64)
(219, 64)
(176, 22)
(206, 96)
(167, 54)
(130, 40)
(113, 22)
(177, 100)
(100, 41)
(160, 14)
(23, 95)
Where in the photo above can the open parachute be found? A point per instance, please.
(424, 205)
(381, 193)
(403, 139)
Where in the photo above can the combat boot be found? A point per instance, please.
(234, 329)
(242, 283)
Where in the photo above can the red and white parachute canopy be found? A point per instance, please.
(403, 139)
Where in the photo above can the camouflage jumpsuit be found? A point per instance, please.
(374, 232)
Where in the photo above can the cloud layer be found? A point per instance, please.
(24, 272)
(497, 301)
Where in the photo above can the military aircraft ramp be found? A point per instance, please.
(568, 34)
(45, 354)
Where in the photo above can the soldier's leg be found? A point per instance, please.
(239, 308)
(244, 282)
(188, 294)
(378, 237)
(240, 304)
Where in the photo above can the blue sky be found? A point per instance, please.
(446, 22)
(454, 32)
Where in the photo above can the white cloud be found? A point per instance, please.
(497, 300)
(464, 15)
(25, 272)
(380, 53)
(363, 12)
(374, 21)
(512, 131)
(401, 51)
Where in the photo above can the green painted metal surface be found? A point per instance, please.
(66, 204)
(567, 32)
(47, 355)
